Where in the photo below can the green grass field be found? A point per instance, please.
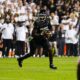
(38, 69)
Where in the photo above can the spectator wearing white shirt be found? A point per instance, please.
(65, 23)
(73, 20)
(71, 41)
(54, 19)
(21, 33)
(7, 35)
(21, 10)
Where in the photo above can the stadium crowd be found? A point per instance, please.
(64, 18)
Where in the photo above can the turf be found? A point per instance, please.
(38, 69)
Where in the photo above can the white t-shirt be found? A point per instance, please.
(7, 31)
(71, 36)
(75, 37)
(22, 10)
(73, 22)
(65, 24)
(22, 13)
(21, 33)
(55, 20)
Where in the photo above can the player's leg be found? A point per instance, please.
(51, 59)
(21, 58)
(47, 46)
